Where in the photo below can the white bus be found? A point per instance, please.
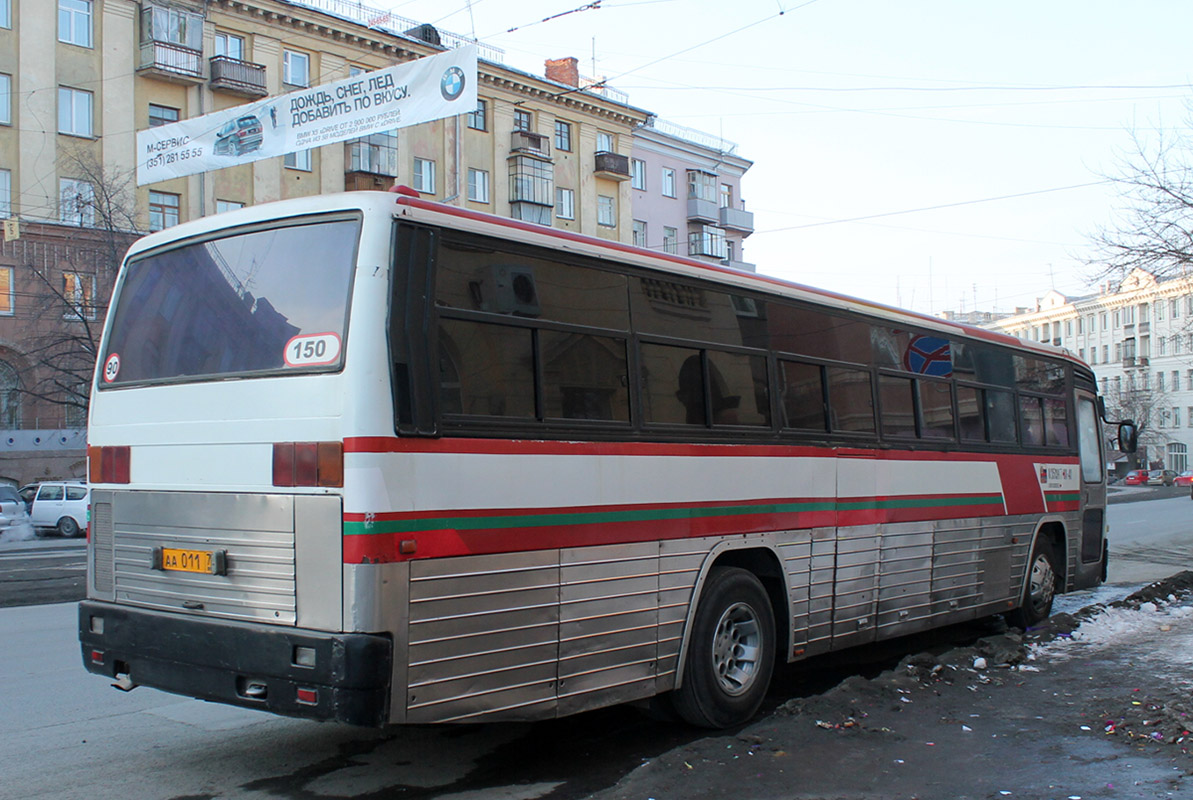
(374, 459)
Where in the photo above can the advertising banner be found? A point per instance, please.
(418, 91)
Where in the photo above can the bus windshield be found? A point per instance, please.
(261, 301)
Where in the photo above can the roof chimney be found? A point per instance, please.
(564, 70)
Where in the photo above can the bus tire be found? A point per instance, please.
(1036, 605)
(731, 651)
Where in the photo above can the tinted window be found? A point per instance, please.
(233, 305)
(936, 410)
(75, 493)
(9, 495)
(485, 370)
(1056, 422)
(666, 307)
(739, 391)
(1037, 375)
(1031, 417)
(584, 377)
(474, 275)
(803, 396)
(672, 384)
(851, 400)
(898, 406)
(1000, 411)
(971, 414)
(811, 333)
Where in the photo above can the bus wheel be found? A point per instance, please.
(1041, 587)
(731, 653)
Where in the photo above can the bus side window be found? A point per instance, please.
(971, 414)
(851, 400)
(803, 396)
(1032, 417)
(1000, 411)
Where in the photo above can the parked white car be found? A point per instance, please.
(62, 505)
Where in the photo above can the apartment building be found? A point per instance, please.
(1138, 337)
(687, 194)
(79, 78)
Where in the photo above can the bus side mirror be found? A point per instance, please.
(1128, 437)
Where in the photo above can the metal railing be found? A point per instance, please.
(387, 21)
(173, 58)
(693, 135)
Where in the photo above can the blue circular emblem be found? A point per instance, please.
(452, 84)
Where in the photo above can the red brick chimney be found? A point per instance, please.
(564, 70)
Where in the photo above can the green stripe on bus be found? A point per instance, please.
(1062, 497)
(650, 514)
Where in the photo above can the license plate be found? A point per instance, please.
(173, 559)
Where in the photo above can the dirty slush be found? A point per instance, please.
(1088, 705)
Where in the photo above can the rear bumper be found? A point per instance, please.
(241, 663)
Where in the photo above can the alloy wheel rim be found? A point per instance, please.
(1043, 583)
(736, 649)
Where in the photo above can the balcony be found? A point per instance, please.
(534, 144)
(237, 77)
(612, 165)
(701, 210)
(171, 62)
(737, 219)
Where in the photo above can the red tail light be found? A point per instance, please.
(109, 464)
(308, 464)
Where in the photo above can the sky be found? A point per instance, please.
(931, 154)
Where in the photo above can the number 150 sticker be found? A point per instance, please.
(312, 350)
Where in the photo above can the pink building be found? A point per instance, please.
(686, 194)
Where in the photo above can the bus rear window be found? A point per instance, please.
(272, 300)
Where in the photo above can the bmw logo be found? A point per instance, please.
(452, 84)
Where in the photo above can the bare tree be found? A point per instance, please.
(1147, 407)
(1153, 228)
(71, 285)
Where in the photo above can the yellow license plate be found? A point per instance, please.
(177, 560)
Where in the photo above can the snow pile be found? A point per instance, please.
(1161, 629)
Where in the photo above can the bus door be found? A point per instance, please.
(1093, 485)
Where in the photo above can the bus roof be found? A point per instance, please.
(432, 212)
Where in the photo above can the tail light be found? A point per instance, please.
(308, 464)
(109, 464)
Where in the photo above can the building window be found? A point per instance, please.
(1163, 345)
(523, 120)
(1176, 381)
(1174, 308)
(162, 115)
(1189, 416)
(74, 22)
(606, 211)
(563, 135)
(5, 13)
(228, 45)
(5, 99)
(376, 154)
(79, 291)
(671, 240)
(76, 202)
(424, 175)
(1159, 381)
(479, 120)
(10, 397)
(74, 111)
(299, 159)
(637, 174)
(702, 185)
(222, 206)
(296, 68)
(478, 185)
(726, 196)
(668, 182)
(639, 233)
(532, 181)
(172, 26)
(5, 193)
(163, 210)
(707, 240)
(1176, 419)
(604, 142)
(7, 298)
(565, 204)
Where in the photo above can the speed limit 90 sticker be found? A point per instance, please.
(312, 349)
(111, 368)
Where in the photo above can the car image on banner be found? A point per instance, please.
(239, 136)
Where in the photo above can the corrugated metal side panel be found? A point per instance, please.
(255, 531)
(103, 570)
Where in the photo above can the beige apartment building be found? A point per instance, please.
(79, 78)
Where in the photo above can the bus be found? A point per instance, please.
(375, 459)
